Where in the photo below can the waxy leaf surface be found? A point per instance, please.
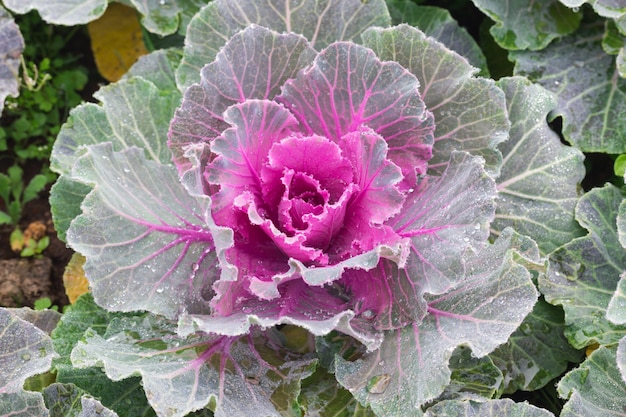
(147, 241)
(595, 388)
(470, 113)
(181, 375)
(527, 24)
(411, 366)
(591, 96)
(583, 275)
(534, 155)
(254, 64)
(11, 47)
(320, 21)
(26, 351)
(486, 408)
(439, 24)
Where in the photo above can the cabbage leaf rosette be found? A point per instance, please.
(306, 167)
(342, 186)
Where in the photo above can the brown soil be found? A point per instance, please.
(24, 280)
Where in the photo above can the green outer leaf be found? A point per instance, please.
(534, 155)
(537, 352)
(163, 17)
(605, 8)
(439, 24)
(591, 96)
(26, 351)
(148, 243)
(22, 404)
(11, 47)
(126, 397)
(320, 21)
(322, 396)
(472, 376)
(66, 197)
(184, 374)
(157, 67)
(486, 408)
(583, 274)
(594, 389)
(134, 112)
(470, 113)
(616, 311)
(528, 24)
(69, 400)
(61, 12)
(411, 366)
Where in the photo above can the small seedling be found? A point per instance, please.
(15, 195)
(32, 242)
(44, 303)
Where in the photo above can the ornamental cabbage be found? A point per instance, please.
(334, 186)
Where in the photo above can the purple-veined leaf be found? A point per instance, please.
(253, 64)
(486, 408)
(470, 113)
(446, 217)
(595, 388)
(411, 366)
(26, 351)
(242, 151)
(527, 24)
(11, 47)
(233, 376)
(583, 275)
(148, 243)
(587, 85)
(533, 155)
(320, 21)
(348, 87)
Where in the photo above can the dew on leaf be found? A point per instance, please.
(368, 314)
(378, 384)
(26, 357)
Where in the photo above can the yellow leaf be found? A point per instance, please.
(116, 41)
(591, 348)
(74, 278)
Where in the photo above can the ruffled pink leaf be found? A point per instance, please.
(348, 87)
(378, 198)
(252, 65)
(385, 297)
(242, 152)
